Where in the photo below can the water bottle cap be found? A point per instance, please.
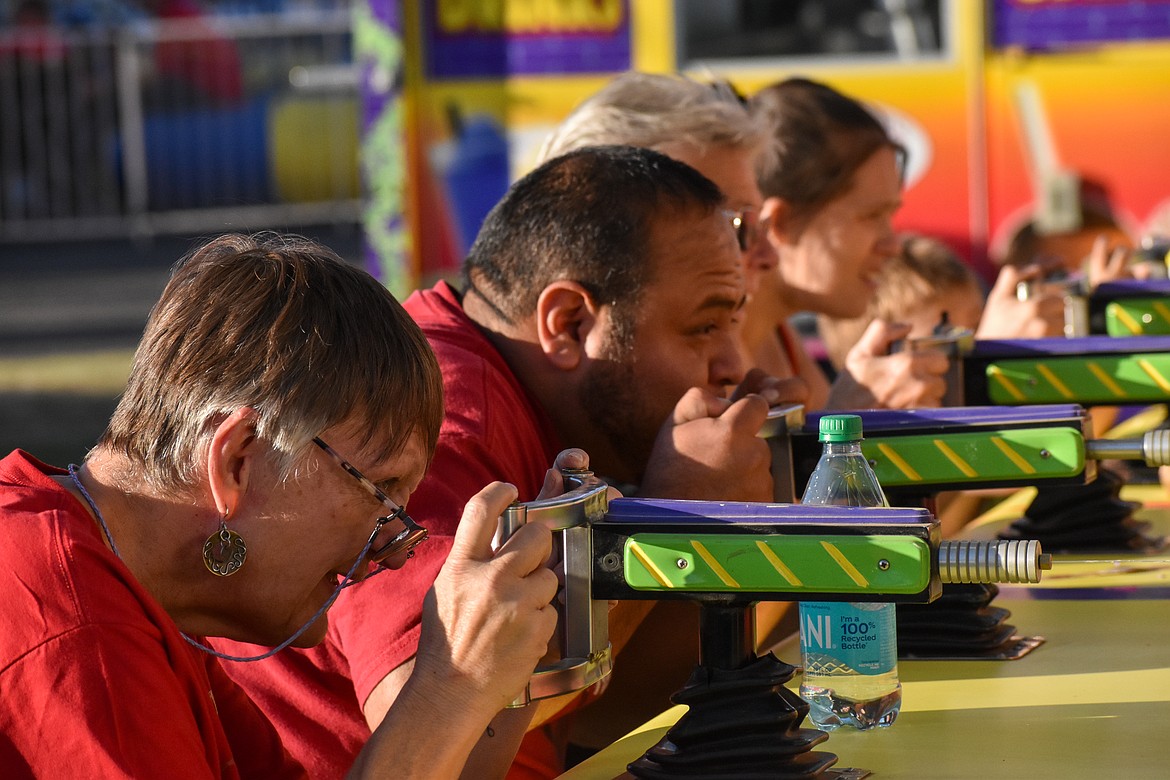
(841, 427)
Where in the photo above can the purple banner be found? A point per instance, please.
(474, 39)
(1053, 24)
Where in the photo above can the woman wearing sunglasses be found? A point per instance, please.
(280, 410)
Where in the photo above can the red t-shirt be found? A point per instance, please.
(95, 679)
(493, 430)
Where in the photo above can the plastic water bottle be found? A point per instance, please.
(849, 650)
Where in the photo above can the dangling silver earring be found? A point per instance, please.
(224, 552)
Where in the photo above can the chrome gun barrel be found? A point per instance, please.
(1153, 448)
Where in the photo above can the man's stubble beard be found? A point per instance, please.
(617, 406)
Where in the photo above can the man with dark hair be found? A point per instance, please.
(572, 261)
(600, 311)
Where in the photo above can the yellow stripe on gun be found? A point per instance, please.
(998, 375)
(1106, 380)
(779, 565)
(1163, 312)
(644, 559)
(953, 457)
(1132, 325)
(845, 565)
(709, 559)
(1153, 373)
(1053, 380)
(899, 462)
(1013, 456)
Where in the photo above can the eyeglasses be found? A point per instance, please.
(404, 541)
(746, 223)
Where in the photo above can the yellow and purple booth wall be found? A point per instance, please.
(486, 82)
(934, 107)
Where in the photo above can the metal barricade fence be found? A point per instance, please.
(178, 126)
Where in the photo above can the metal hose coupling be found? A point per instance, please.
(991, 561)
(1156, 447)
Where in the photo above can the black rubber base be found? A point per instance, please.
(960, 625)
(1090, 517)
(741, 725)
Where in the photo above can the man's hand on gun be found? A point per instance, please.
(709, 447)
(874, 378)
(1008, 315)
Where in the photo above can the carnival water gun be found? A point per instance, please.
(1130, 308)
(1089, 370)
(733, 554)
(726, 556)
(918, 453)
(961, 448)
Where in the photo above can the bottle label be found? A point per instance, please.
(841, 637)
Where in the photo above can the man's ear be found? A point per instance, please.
(230, 459)
(565, 313)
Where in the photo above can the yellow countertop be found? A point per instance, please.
(1092, 702)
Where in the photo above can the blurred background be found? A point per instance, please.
(129, 129)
